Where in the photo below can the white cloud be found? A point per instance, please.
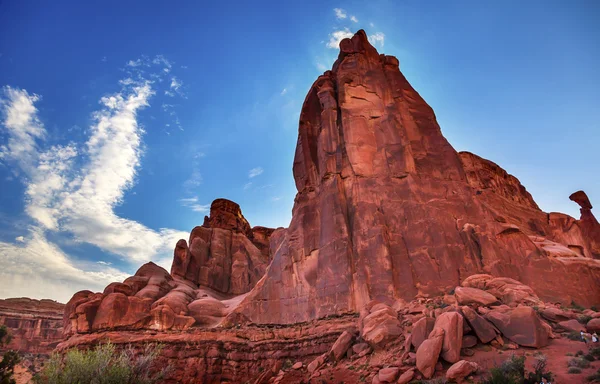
(20, 239)
(340, 13)
(372, 25)
(247, 186)
(175, 83)
(276, 198)
(54, 274)
(283, 92)
(377, 39)
(255, 172)
(337, 36)
(101, 262)
(354, 19)
(192, 202)
(22, 126)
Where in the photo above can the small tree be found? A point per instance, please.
(102, 365)
(9, 360)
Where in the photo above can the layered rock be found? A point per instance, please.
(387, 208)
(36, 326)
(225, 259)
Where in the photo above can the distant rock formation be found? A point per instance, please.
(36, 326)
(225, 258)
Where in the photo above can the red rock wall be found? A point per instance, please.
(36, 326)
(386, 208)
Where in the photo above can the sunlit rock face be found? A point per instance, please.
(387, 208)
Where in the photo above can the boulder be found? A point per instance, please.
(520, 325)
(406, 377)
(466, 296)
(421, 330)
(380, 327)
(556, 314)
(484, 330)
(593, 325)
(461, 369)
(571, 326)
(429, 352)
(341, 345)
(388, 375)
(451, 323)
(316, 363)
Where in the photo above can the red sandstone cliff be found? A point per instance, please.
(387, 208)
(36, 326)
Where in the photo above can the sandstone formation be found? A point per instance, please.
(36, 326)
(392, 231)
(225, 258)
(387, 208)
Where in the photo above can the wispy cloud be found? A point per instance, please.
(247, 186)
(255, 172)
(192, 202)
(340, 13)
(284, 91)
(354, 19)
(377, 39)
(337, 36)
(75, 188)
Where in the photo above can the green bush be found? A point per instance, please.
(512, 371)
(574, 370)
(573, 335)
(579, 362)
(595, 352)
(584, 319)
(576, 306)
(102, 365)
(589, 357)
(9, 360)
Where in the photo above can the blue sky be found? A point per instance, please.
(122, 121)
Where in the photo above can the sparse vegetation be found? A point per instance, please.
(594, 378)
(569, 354)
(595, 352)
(579, 362)
(583, 319)
(579, 353)
(573, 335)
(512, 371)
(103, 365)
(9, 359)
(287, 364)
(589, 357)
(573, 370)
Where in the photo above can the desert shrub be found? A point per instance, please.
(9, 359)
(594, 308)
(579, 353)
(589, 357)
(539, 370)
(574, 370)
(579, 362)
(583, 319)
(512, 371)
(569, 354)
(102, 365)
(595, 351)
(594, 378)
(287, 364)
(573, 335)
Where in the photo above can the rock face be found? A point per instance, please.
(387, 208)
(221, 253)
(36, 326)
(225, 258)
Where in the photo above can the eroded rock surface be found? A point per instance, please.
(387, 208)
